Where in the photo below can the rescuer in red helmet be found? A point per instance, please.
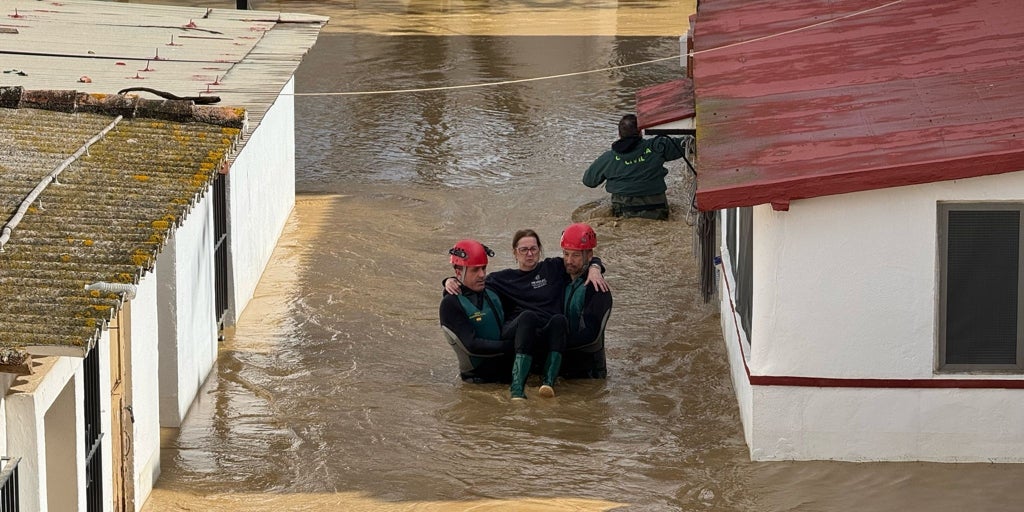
(475, 320)
(533, 293)
(586, 308)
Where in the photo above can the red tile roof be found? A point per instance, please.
(806, 98)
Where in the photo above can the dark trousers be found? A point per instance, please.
(533, 335)
(646, 207)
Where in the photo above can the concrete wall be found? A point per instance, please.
(143, 326)
(187, 327)
(261, 196)
(847, 287)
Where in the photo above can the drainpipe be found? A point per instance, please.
(242, 4)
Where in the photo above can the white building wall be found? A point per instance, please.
(846, 287)
(261, 196)
(187, 327)
(106, 450)
(736, 343)
(27, 404)
(145, 362)
(6, 380)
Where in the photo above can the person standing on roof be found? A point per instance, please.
(634, 169)
(476, 316)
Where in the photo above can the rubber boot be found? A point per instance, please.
(520, 372)
(551, 367)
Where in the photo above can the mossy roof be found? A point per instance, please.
(105, 218)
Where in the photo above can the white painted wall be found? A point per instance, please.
(187, 327)
(64, 450)
(27, 404)
(847, 287)
(261, 196)
(106, 449)
(146, 401)
(6, 380)
(736, 342)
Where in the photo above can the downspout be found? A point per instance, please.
(49, 178)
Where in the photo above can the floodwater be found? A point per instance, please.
(336, 390)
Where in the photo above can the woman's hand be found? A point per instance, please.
(596, 278)
(452, 286)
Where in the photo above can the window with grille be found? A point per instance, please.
(980, 286)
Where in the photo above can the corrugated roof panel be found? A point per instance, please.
(799, 98)
(105, 219)
(113, 209)
(665, 103)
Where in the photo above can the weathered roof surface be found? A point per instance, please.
(805, 98)
(104, 219)
(243, 57)
(664, 103)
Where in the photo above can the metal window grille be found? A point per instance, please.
(220, 247)
(93, 434)
(9, 484)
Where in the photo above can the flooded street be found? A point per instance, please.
(337, 392)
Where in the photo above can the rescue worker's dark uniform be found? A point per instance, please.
(635, 173)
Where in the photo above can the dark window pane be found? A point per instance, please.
(981, 287)
(745, 270)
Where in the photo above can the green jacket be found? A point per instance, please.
(634, 166)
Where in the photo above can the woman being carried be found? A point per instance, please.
(532, 296)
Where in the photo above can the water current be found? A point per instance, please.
(336, 390)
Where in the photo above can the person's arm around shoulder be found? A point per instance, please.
(451, 286)
(595, 275)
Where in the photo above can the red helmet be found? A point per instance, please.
(579, 237)
(469, 253)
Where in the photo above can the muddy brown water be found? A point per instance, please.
(336, 390)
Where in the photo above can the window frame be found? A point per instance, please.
(943, 209)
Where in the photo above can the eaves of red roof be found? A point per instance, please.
(807, 98)
(664, 103)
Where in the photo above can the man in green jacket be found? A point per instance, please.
(635, 171)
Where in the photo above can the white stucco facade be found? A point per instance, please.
(187, 326)
(261, 196)
(846, 287)
(48, 435)
(145, 358)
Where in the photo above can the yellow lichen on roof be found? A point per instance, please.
(107, 220)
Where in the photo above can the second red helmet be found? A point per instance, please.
(469, 253)
(579, 237)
